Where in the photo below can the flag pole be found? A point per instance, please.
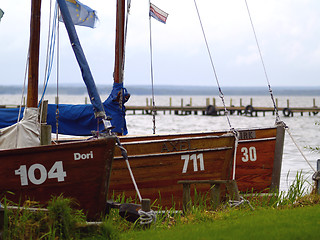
(151, 72)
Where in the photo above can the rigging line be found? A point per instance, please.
(236, 134)
(58, 69)
(121, 99)
(295, 143)
(125, 33)
(278, 120)
(24, 85)
(124, 154)
(263, 64)
(152, 80)
(47, 60)
(213, 67)
(50, 51)
(234, 131)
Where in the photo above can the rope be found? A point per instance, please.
(152, 80)
(295, 143)
(24, 85)
(50, 50)
(263, 65)
(125, 156)
(47, 61)
(236, 135)
(235, 132)
(279, 122)
(121, 103)
(58, 64)
(147, 217)
(234, 203)
(213, 67)
(125, 32)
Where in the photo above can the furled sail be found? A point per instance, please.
(25, 133)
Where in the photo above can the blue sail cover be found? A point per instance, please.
(79, 119)
(9, 116)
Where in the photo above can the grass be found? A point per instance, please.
(287, 215)
(298, 223)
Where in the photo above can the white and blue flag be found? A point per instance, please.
(81, 14)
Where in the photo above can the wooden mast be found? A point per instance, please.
(32, 97)
(119, 48)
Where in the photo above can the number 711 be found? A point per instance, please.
(194, 158)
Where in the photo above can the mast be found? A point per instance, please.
(119, 48)
(32, 97)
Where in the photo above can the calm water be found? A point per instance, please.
(303, 128)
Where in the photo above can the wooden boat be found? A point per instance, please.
(158, 164)
(160, 161)
(258, 159)
(79, 170)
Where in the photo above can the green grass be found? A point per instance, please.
(298, 223)
(294, 214)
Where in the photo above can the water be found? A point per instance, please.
(303, 128)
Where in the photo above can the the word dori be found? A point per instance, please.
(84, 156)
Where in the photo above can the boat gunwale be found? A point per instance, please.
(126, 137)
(53, 147)
(228, 135)
(257, 140)
(175, 153)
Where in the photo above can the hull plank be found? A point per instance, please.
(79, 170)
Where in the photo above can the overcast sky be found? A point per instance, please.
(288, 32)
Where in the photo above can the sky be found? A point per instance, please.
(288, 33)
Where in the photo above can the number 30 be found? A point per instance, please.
(249, 154)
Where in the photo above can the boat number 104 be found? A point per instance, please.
(249, 154)
(27, 175)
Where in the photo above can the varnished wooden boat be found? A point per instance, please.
(160, 161)
(258, 162)
(79, 170)
(158, 164)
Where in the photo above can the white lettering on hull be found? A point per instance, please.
(27, 175)
(84, 156)
(194, 158)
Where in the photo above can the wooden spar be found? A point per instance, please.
(32, 97)
(119, 47)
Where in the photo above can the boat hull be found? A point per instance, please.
(79, 170)
(258, 163)
(159, 164)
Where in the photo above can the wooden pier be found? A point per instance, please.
(214, 110)
(210, 108)
(217, 111)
